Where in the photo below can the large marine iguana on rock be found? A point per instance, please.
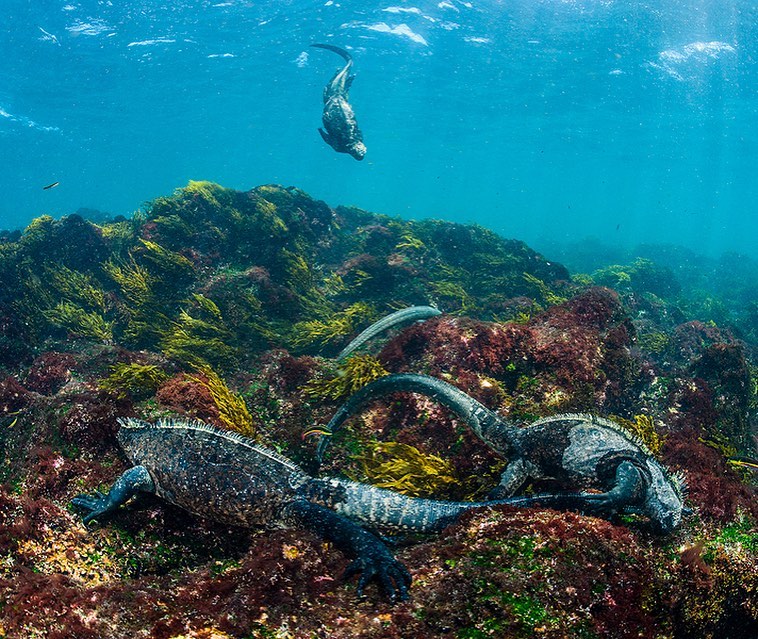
(342, 132)
(579, 450)
(226, 477)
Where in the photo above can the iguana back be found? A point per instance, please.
(211, 472)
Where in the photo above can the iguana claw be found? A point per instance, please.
(96, 504)
(392, 576)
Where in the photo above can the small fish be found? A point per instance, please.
(322, 431)
(15, 418)
(744, 462)
(49, 37)
(50, 186)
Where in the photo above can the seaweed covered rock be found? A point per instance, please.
(574, 356)
(229, 306)
(209, 273)
(14, 348)
(88, 420)
(642, 276)
(72, 242)
(49, 372)
(13, 396)
(725, 368)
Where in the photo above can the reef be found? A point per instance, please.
(231, 306)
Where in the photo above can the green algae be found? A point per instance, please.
(339, 325)
(741, 534)
(350, 375)
(542, 290)
(80, 322)
(654, 341)
(405, 469)
(139, 380)
(140, 271)
(77, 287)
(410, 242)
(169, 264)
(199, 336)
(452, 295)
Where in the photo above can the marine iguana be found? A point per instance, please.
(226, 477)
(578, 450)
(342, 132)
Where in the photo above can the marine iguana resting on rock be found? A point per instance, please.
(226, 477)
(342, 132)
(578, 450)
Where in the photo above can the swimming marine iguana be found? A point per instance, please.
(342, 132)
(226, 477)
(578, 450)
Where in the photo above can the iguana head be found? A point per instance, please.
(664, 500)
(357, 149)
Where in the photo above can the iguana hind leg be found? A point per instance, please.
(372, 559)
(628, 490)
(133, 481)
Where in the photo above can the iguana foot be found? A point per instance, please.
(598, 504)
(373, 560)
(134, 480)
(393, 577)
(95, 505)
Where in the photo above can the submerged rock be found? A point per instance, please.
(214, 301)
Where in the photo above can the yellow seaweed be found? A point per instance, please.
(139, 379)
(405, 469)
(340, 324)
(232, 410)
(352, 374)
(80, 322)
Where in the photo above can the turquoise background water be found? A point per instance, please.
(546, 120)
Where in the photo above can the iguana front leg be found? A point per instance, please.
(513, 477)
(133, 481)
(628, 491)
(326, 137)
(372, 559)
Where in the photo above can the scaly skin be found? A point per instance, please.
(403, 316)
(580, 451)
(342, 132)
(225, 477)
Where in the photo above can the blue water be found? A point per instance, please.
(546, 120)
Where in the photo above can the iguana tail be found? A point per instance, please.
(491, 429)
(337, 50)
(403, 316)
(386, 510)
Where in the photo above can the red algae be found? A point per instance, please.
(524, 341)
(716, 489)
(187, 396)
(49, 372)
